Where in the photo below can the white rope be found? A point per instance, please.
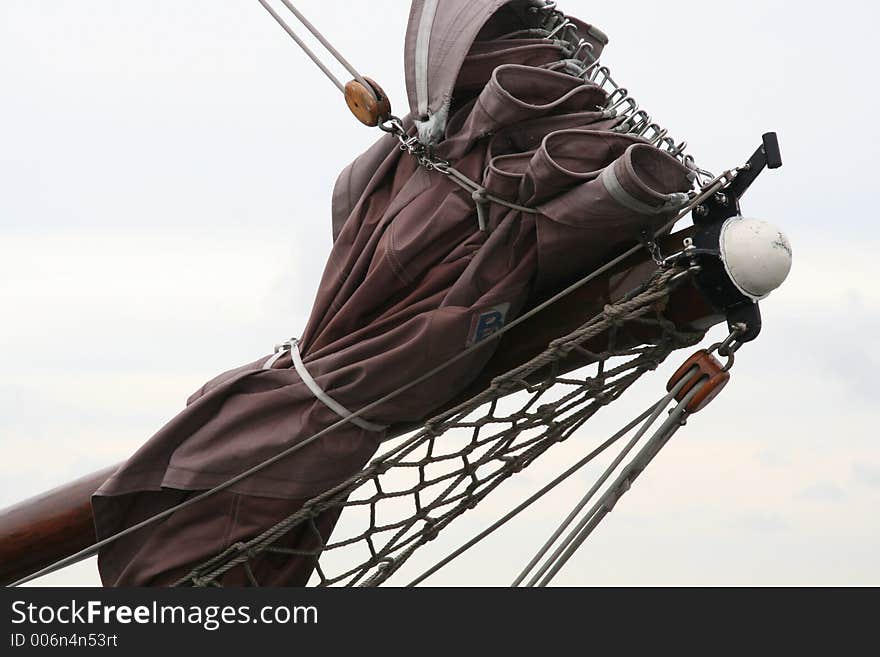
(621, 195)
(534, 497)
(324, 42)
(657, 410)
(423, 39)
(617, 489)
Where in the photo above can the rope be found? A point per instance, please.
(323, 397)
(453, 478)
(592, 73)
(620, 486)
(634, 121)
(92, 550)
(324, 42)
(652, 417)
(531, 500)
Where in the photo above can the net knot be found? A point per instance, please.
(431, 429)
(614, 313)
(593, 384)
(555, 433)
(504, 386)
(430, 531)
(547, 413)
(242, 548)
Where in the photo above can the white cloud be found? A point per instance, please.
(164, 214)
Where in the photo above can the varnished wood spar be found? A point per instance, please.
(43, 529)
(48, 527)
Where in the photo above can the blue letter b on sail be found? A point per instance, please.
(488, 322)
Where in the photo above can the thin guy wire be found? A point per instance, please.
(658, 409)
(602, 507)
(336, 497)
(93, 549)
(532, 499)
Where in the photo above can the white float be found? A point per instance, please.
(756, 255)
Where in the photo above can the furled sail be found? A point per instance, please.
(420, 270)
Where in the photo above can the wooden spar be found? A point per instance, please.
(48, 527)
(39, 531)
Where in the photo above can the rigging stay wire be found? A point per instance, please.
(657, 410)
(534, 497)
(617, 489)
(647, 418)
(512, 455)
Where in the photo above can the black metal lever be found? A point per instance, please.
(767, 156)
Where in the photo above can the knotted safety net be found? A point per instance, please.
(413, 490)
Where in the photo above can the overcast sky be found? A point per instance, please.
(165, 179)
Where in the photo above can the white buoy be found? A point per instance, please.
(756, 255)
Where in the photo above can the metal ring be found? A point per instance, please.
(730, 345)
(392, 124)
(729, 365)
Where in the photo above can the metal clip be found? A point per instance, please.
(730, 345)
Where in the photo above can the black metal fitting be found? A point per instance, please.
(709, 217)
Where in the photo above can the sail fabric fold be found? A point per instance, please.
(410, 282)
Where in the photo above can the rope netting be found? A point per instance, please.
(407, 495)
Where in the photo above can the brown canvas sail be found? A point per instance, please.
(411, 281)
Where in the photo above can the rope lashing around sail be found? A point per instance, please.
(459, 457)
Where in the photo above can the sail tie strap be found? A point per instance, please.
(292, 346)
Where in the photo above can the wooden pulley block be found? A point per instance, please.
(370, 108)
(709, 370)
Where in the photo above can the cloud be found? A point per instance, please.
(867, 473)
(823, 492)
(165, 216)
(763, 522)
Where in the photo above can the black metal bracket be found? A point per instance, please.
(709, 217)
